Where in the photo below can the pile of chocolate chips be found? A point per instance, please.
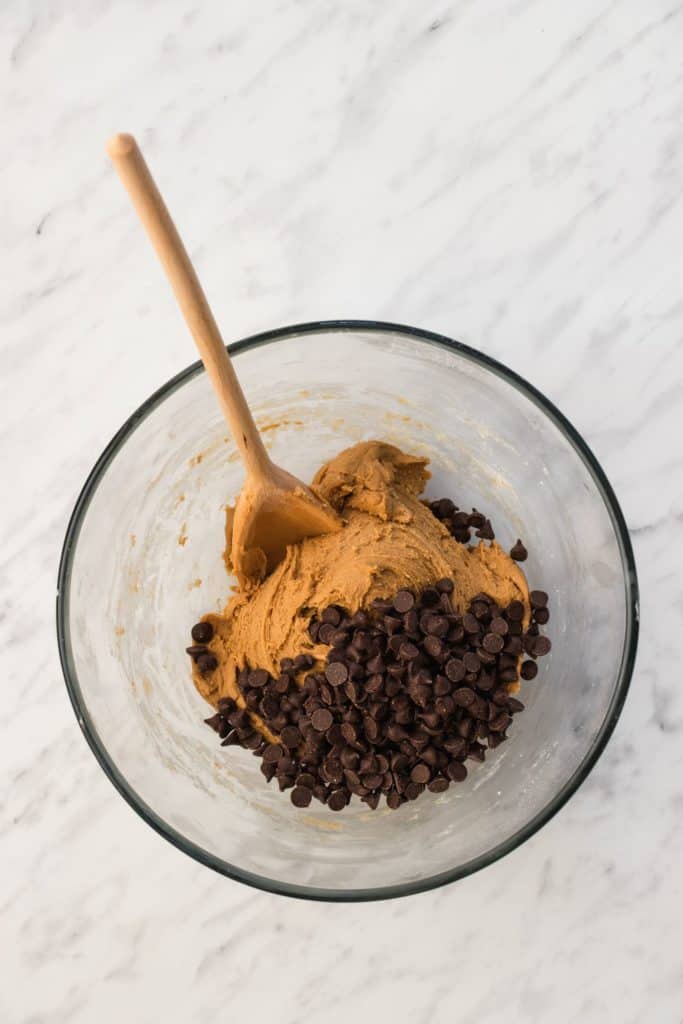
(410, 690)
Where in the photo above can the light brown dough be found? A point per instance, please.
(390, 540)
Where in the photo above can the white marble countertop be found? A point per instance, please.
(507, 172)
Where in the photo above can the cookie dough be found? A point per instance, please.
(390, 540)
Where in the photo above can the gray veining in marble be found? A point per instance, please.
(508, 172)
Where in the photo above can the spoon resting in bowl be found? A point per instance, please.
(274, 508)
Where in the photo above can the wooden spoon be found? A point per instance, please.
(274, 509)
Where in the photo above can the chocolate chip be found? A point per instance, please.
(337, 800)
(486, 531)
(306, 779)
(321, 720)
(252, 740)
(529, 670)
(542, 646)
(371, 729)
(470, 623)
(538, 599)
(403, 601)
(500, 722)
(393, 800)
(407, 651)
(442, 508)
(464, 697)
(195, 650)
(290, 737)
(331, 616)
(442, 686)
(420, 773)
(438, 625)
(493, 643)
(272, 753)
(541, 616)
(455, 670)
(430, 597)
(282, 684)
(515, 611)
(326, 632)
(456, 771)
(413, 790)
(257, 678)
(202, 632)
(518, 552)
(207, 663)
(498, 625)
(438, 785)
(471, 662)
(301, 796)
(336, 673)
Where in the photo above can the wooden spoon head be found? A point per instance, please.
(271, 514)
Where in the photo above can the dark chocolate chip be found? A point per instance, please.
(337, 800)
(430, 597)
(272, 753)
(202, 632)
(442, 508)
(207, 663)
(471, 662)
(486, 531)
(515, 611)
(331, 616)
(420, 773)
(257, 678)
(541, 646)
(455, 670)
(518, 552)
(493, 643)
(529, 670)
(403, 601)
(321, 720)
(301, 796)
(195, 650)
(326, 632)
(538, 599)
(290, 737)
(470, 623)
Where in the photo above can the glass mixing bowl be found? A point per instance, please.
(142, 562)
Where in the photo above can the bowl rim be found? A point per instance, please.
(476, 863)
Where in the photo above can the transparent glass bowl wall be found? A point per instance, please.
(142, 561)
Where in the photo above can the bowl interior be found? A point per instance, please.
(143, 562)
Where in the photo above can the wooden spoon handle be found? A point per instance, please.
(151, 209)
